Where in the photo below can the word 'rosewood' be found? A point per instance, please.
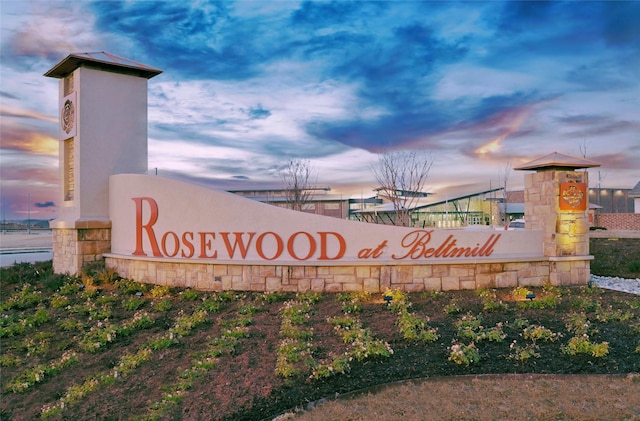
(300, 245)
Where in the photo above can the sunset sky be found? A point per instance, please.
(247, 85)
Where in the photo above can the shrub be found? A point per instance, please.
(54, 282)
(520, 293)
(462, 354)
(163, 304)
(491, 301)
(129, 286)
(274, 297)
(523, 353)
(24, 298)
(133, 303)
(537, 332)
(160, 291)
(189, 295)
(453, 308)
(582, 345)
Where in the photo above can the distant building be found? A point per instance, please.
(320, 201)
(616, 200)
(453, 207)
(615, 208)
(450, 207)
(635, 195)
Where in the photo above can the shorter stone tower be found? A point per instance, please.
(556, 202)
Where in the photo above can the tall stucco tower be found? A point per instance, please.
(102, 131)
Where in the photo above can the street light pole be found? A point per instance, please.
(29, 213)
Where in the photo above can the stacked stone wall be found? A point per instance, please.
(370, 278)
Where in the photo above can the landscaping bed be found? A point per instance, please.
(101, 347)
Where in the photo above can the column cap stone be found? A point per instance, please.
(558, 161)
(93, 223)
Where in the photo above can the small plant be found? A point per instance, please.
(189, 295)
(582, 345)
(523, 353)
(361, 345)
(140, 320)
(22, 299)
(106, 276)
(36, 345)
(226, 296)
(468, 326)
(415, 328)
(310, 297)
(38, 374)
(462, 354)
(295, 346)
(540, 333)
(520, 293)
(453, 308)
(352, 306)
(520, 323)
(128, 286)
(490, 300)
(296, 311)
(7, 360)
(274, 297)
(337, 365)
(98, 337)
(106, 299)
(494, 334)
(606, 314)
(159, 291)
(211, 304)
(13, 326)
(70, 325)
(411, 326)
(578, 324)
(71, 286)
(59, 301)
(185, 324)
(133, 303)
(291, 351)
(583, 303)
(396, 299)
(433, 294)
(163, 304)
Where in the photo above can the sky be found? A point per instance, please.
(247, 85)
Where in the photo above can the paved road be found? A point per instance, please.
(22, 247)
(11, 241)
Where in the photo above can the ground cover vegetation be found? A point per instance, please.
(101, 347)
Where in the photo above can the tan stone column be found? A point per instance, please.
(556, 202)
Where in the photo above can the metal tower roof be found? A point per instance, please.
(103, 61)
(557, 160)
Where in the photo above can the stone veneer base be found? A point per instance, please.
(357, 277)
(74, 248)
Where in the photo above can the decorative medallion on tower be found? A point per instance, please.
(573, 196)
(68, 116)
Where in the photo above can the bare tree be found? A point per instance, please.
(401, 176)
(298, 183)
(504, 183)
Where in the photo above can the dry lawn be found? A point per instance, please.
(489, 397)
